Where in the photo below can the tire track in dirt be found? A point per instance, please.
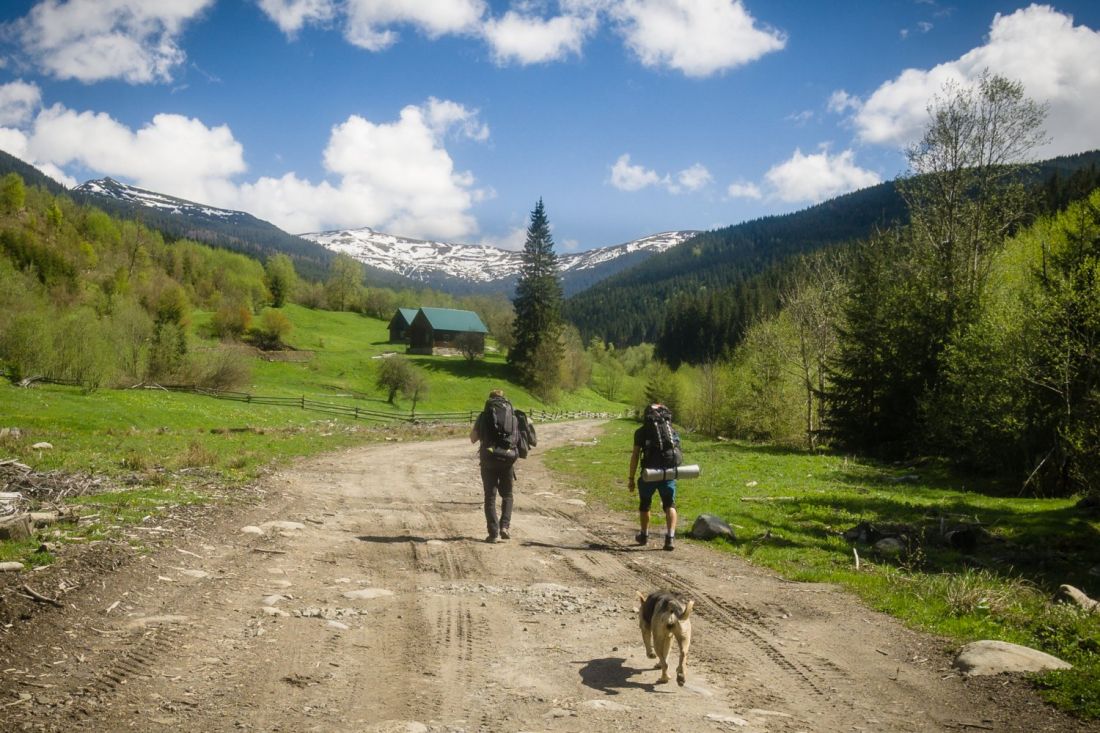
(727, 615)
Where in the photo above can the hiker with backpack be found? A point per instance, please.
(505, 435)
(658, 445)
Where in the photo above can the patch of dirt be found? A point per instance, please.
(354, 592)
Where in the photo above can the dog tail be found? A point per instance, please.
(687, 610)
(641, 596)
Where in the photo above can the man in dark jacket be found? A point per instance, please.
(497, 470)
(650, 458)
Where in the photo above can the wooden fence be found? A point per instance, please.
(356, 412)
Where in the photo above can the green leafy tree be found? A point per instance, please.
(393, 374)
(915, 290)
(273, 329)
(536, 353)
(470, 345)
(345, 278)
(416, 387)
(281, 279)
(13, 194)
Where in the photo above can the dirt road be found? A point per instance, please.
(378, 607)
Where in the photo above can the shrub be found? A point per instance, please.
(273, 328)
(231, 321)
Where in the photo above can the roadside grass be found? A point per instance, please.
(345, 350)
(789, 510)
(160, 449)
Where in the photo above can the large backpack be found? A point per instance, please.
(661, 446)
(527, 437)
(503, 435)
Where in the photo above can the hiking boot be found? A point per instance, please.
(504, 535)
(641, 538)
(492, 539)
(668, 543)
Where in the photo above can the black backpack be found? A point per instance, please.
(527, 437)
(502, 439)
(661, 447)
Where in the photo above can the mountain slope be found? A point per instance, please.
(31, 176)
(630, 307)
(468, 268)
(181, 219)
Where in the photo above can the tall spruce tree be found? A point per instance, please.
(537, 352)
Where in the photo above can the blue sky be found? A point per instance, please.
(449, 119)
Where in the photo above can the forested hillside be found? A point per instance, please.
(734, 274)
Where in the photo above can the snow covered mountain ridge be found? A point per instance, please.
(426, 260)
(113, 189)
(458, 268)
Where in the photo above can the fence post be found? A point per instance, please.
(303, 402)
(357, 412)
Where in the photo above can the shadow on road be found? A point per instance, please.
(608, 675)
(399, 538)
(594, 546)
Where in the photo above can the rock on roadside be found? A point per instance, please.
(987, 657)
(708, 526)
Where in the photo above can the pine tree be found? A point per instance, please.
(537, 352)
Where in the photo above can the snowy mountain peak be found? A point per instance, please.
(477, 265)
(110, 188)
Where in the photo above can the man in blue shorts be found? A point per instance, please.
(646, 489)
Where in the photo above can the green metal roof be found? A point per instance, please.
(408, 313)
(447, 319)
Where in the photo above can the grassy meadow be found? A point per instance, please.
(789, 510)
(157, 449)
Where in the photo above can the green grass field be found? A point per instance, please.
(790, 508)
(168, 448)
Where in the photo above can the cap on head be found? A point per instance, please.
(496, 393)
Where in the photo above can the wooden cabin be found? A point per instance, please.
(399, 325)
(438, 328)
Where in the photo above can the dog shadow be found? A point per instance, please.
(609, 676)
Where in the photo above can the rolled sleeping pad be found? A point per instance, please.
(668, 474)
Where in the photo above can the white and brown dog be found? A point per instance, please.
(664, 615)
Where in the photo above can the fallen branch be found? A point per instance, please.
(35, 595)
(269, 552)
(767, 498)
(856, 555)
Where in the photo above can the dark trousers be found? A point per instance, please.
(496, 478)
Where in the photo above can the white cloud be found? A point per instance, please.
(172, 154)
(94, 40)
(396, 176)
(1038, 46)
(696, 37)
(527, 39)
(293, 15)
(18, 101)
(692, 179)
(369, 21)
(627, 177)
(442, 115)
(744, 190)
(816, 177)
(841, 101)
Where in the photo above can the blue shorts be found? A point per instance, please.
(646, 490)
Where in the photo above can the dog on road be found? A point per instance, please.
(662, 616)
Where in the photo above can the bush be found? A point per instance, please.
(225, 367)
(273, 328)
(231, 321)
